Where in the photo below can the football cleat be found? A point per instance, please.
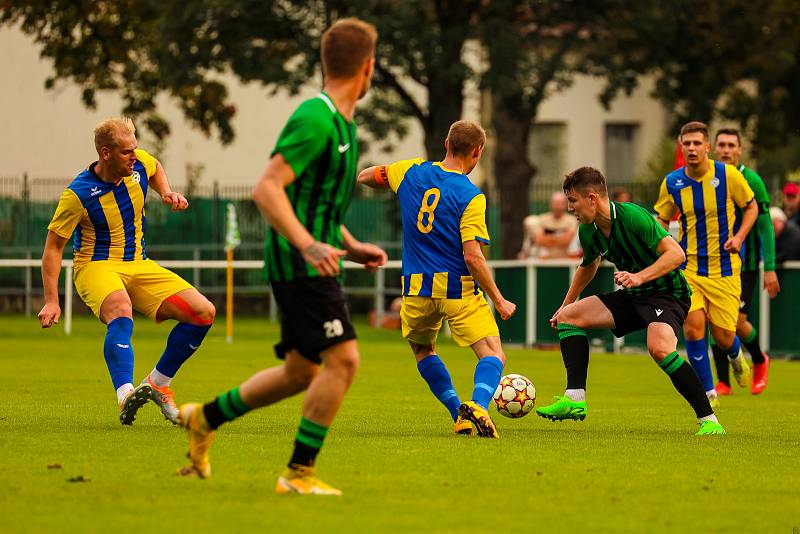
(302, 480)
(463, 426)
(191, 417)
(760, 372)
(741, 371)
(709, 428)
(723, 389)
(713, 398)
(474, 412)
(563, 408)
(137, 398)
(165, 398)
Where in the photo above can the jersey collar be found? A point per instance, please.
(613, 212)
(439, 164)
(328, 102)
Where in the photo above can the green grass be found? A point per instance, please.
(633, 465)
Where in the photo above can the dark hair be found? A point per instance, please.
(346, 46)
(729, 131)
(585, 178)
(694, 126)
(464, 137)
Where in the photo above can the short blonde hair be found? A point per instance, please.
(105, 133)
(464, 137)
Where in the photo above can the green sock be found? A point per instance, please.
(224, 408)
(685, 380)
(307, 442)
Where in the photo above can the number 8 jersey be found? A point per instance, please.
(441, 209)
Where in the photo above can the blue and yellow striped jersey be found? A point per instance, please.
(107, 220)
(707, 209)
(441, 209)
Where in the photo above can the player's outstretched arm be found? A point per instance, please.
(270, 197)
(373, 177)
(583, 275)
(51, 269)
(160, 185)
(479, 269)
(369, 255)
(671, 257)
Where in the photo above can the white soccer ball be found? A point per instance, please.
(514, 396)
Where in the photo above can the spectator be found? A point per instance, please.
(787, 236)
(620, 194)
(550, 234)
(791, 201)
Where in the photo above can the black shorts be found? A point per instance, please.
(314, 316)
(749, 282)
(633, 313)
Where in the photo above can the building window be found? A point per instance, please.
(620, 146)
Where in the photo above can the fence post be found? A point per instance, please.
(379, 302)
(68, 300)
(218, 238)
(530, 304)
(28, 285)
(763, 308)
(196, 269)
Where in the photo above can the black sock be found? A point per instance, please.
(224, 408)
(753, 346)
(686, 382)
(307, 443)
(575, 352)
(721, 363)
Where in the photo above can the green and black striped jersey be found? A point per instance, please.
(322, 149)
(761, 238)
(632, 247)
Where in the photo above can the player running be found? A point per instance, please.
(104, 208)
(760, 240)
(444, 227)
(706, 194)
(655, 297)
(303, 193)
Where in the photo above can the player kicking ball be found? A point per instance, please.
(103, 208)
(444, 227)
(655, 298)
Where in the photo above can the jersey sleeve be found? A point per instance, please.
(646, 227)
(67, 216)
(756, 183)
(396, 172)
(147, 160)
(590, 252)
(303, 140)
(665, 205)
(740, 192)
(473, 221)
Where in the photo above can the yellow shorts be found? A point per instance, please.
(719, 297)
(147, 283)
(470, 319)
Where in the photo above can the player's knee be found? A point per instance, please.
(345, 363)
(116, 309)
(570, 315)
(659, 351)
(206, 312)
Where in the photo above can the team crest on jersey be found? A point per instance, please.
(715, 182)
(135, 178)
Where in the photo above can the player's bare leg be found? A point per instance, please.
(116, 312)
(661, 344)
(195, 315)
(572, 321)
(277, 383)
(728, 341)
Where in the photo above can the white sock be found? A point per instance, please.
(159, 379)
(123, 391)
(577, 395)
(711, 393)
(711, 417)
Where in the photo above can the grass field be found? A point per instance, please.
(633, 465)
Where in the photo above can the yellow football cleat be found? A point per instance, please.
(302, 480)
(201, 436)
(745, 374)
(463, 427)
(474, 412)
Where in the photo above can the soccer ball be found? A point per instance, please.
(514, 396)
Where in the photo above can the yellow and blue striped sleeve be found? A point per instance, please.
(147, 160)
(67, 216)
(397, 171)
(738, 188)
(665, 205)
(473, 221)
